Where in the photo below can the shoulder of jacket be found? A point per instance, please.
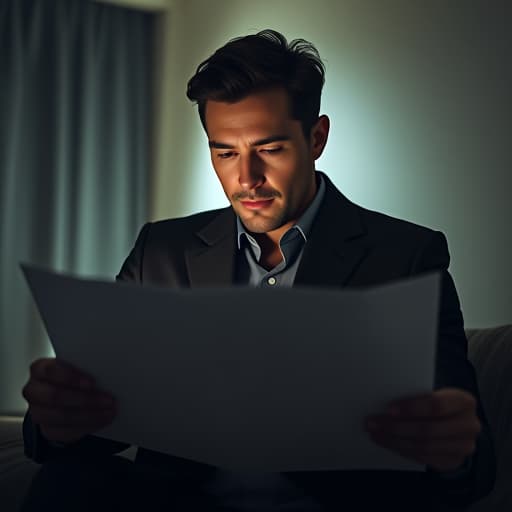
(387, 226)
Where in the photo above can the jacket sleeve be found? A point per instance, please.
(39, 449)
(453, 369)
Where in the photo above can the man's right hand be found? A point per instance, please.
(65, 402)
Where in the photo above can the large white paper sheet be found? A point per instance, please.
(247, 378)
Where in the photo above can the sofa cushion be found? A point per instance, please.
(16, 471)
(490, 351)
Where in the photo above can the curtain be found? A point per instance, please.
(74, 137)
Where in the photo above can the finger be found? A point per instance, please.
(442, 428)
(415, 448)
(59, 372)
(43, 393)
(442, 402)
(76, 418)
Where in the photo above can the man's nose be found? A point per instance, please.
(250, 173)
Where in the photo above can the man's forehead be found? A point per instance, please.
(254, 124)
(253, 118)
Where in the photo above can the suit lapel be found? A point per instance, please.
(332, 252)
(212, 262)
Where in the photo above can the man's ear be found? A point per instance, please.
(319, 134)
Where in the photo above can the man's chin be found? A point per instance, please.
(258, 224)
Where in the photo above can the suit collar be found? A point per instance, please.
(332, 252)
(219, 228)
(338, 218)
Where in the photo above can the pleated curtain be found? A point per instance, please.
(74, 155)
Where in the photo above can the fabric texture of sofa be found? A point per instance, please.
(490, 351)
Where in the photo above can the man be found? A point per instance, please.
(258, 100)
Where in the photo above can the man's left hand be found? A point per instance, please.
(438, 429)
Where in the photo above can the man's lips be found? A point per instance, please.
(256, 205)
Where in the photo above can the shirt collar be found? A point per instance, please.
(303, 225)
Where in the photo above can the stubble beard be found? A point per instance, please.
(260, 223)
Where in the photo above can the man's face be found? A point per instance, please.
(262, 159)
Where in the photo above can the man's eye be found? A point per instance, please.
(225, 155)
(272, 150)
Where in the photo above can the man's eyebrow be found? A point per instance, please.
(261, 142)
(219, 145)
(269, 140)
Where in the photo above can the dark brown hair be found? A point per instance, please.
(254, 63)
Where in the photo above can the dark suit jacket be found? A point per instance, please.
(348, 246)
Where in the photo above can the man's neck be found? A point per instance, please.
(271, 254)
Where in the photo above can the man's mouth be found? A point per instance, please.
(258, 204)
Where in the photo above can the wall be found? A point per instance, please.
(419, 101)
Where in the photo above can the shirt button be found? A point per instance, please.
(271, 281)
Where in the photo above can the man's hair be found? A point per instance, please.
(254, 63)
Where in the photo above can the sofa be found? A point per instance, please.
(490, 351)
